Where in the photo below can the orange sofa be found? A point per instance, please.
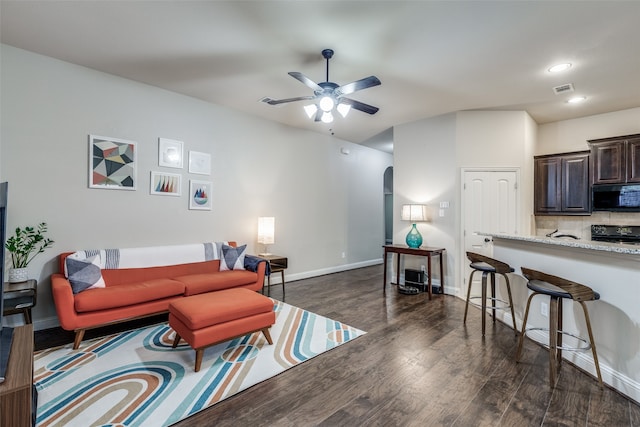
(140, 292)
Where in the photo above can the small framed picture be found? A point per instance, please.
(112, 163)
(199, 163)
(170, 153)
(166, 184)
(200, 195)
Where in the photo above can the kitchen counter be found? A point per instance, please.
(612, 270)
(571, 243)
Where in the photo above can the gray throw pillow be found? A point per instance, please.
(232, 258)
(84, 273)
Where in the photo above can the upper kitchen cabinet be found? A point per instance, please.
(615, 160)
(561, 184)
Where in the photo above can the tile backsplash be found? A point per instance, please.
(580, 226)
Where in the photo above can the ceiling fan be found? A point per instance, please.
(328, 95)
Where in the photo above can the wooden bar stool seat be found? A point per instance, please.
(489, 267)
(559, 289)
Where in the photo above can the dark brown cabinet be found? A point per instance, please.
(633, 159)
(615, 160)
(561, 184)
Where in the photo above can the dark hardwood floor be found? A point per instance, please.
(418, 365)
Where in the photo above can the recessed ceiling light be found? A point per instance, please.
(559, 67)
(576, 99)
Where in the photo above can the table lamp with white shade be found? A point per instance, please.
(414, 213)
(266, 232)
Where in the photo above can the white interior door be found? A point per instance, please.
(489, 205)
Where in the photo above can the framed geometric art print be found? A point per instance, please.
(112, 163)
(166, 184)
(200, 195)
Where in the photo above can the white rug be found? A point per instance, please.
(136, 379)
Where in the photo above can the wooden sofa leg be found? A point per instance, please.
(78, 339)
(199, 354)
(267, 335)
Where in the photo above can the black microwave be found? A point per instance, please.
(616, 198)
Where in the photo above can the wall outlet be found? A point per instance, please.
(344, 254)
(423, 268)
(544, 309)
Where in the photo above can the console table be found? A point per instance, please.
(425, 251)
(16, 398)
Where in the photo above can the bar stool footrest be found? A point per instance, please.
(505, 305)
(586, 347)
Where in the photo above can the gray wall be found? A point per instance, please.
(325, 203)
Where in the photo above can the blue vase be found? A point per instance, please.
(414, 238)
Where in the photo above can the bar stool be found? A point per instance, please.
(557, 289)
(489, 266)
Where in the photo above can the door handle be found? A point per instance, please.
(487, 240)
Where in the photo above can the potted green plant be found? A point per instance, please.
(23, 246)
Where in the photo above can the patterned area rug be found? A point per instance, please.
(135, 378)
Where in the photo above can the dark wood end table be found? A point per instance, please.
(20, 298)
(421, 251)
(278, 265)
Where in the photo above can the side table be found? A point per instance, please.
(424, 251)
(20, 298)
(278, 265)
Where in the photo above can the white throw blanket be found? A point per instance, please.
(153, 256)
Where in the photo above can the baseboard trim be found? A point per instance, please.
(48, 323)
(323, 271)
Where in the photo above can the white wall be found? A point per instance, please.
(425, 172)
(572, 135)
(325, 202)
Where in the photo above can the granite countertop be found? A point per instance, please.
(571, 243)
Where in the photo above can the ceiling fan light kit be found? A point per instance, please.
(326, 103)
(343, 109)
(328, 96)
(327, 117)
(311, 110)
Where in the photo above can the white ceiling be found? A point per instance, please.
(433, 57)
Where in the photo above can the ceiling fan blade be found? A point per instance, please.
(272, 101)
(365, 108)
(304, 79)
(357, 85)
(318, 115)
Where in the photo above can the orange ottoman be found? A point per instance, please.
(207, 319)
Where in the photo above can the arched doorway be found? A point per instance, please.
(388, 205)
